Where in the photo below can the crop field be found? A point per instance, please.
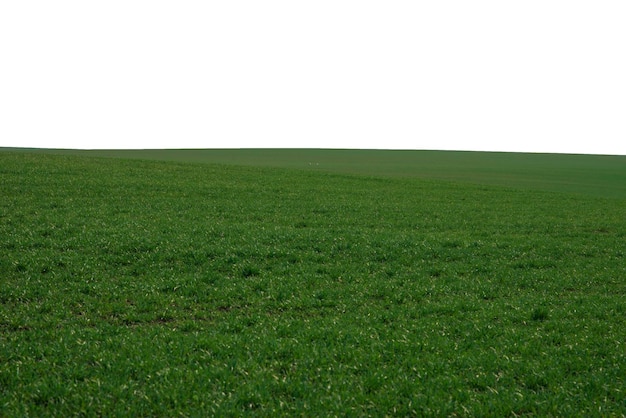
(596, 175)
(312, 283)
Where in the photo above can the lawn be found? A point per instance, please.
(312, 284)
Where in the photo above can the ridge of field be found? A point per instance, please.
(596, 175)
(151, 288)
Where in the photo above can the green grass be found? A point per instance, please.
(143, 288)
(595, 175)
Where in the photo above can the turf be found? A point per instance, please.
(143, 288)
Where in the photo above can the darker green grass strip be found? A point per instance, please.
(593, 175)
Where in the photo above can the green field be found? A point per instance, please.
(312, 283)
(597, 175)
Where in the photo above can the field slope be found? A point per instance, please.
(595, 175)
(162, 288)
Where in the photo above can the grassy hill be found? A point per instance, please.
(270, 287)
(596, 175)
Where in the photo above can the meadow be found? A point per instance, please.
(312, 286)
(596, 175)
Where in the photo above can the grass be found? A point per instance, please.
(595, 175)
(135, 287)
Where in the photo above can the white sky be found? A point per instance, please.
(532, 75)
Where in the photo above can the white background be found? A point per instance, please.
(532, 75)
